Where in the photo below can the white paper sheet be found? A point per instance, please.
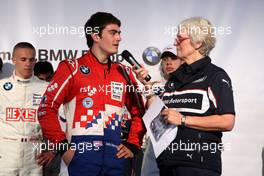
(161, 134)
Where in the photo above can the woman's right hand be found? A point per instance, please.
(141, 74)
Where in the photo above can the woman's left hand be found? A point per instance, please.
(171, 116)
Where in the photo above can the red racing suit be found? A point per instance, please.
(93, 96)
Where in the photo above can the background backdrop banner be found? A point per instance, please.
(55, 28)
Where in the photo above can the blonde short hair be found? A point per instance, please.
(200, 30)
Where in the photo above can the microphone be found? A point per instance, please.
(132, 61)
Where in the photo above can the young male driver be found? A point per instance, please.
(20, 132)
(93, 91)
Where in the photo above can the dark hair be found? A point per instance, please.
(24, 45)
(97, 23)
(1, 64)
(43, 67)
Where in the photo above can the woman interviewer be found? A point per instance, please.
(200, 102)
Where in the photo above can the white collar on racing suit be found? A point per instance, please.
(19, 79)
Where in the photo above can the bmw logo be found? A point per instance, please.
(85, 70)
(151, 55)
(87, 102)
(8, 86)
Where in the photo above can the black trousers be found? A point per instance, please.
(133, 165)
(185, 171)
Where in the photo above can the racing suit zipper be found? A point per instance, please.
(106, 86)
(104, 111)
(105, 72)
(24, 123)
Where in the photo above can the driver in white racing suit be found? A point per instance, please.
(20, 132)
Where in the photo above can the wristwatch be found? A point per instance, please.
(183, 121)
